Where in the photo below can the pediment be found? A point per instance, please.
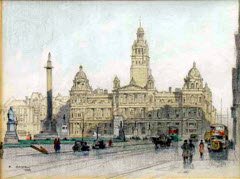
(131, 87)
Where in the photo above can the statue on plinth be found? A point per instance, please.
(11, 134)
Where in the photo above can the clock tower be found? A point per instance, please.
(140, 59)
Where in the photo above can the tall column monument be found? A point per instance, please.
(49, 124)
(49, 68)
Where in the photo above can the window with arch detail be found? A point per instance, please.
(192, 85)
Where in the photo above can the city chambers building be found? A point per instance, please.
(141, 109)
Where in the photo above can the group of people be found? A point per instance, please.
(57, 144)
(189, 151)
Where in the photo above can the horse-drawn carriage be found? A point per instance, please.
(80, 146)
(99, 144)
(161, 141)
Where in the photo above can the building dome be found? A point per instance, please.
(140, 30)
(80, 75)
(194, 73)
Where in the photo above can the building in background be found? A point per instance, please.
(32, 111)
(145, 110)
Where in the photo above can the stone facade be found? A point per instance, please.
(32, 111)
(145, 110)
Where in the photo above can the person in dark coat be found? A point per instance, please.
(58, 145)
(191, 151)
(55, 144)
(185, 148)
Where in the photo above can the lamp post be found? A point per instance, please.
(123, 131)
(149, 129)
(97, 131)
(83, 128)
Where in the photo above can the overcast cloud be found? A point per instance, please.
(99, 36)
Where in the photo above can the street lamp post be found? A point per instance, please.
(83, 128)
(123, 133)
(97, 131)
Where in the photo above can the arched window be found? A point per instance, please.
(143, 130)
(149, 115)
(150, 84)
(151, 99)
(192, 85)
(200, 99)
(192, 99)
(142, 112)
(196, 85)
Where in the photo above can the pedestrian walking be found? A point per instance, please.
(58, 145)
(201, 149)
(185, 148)
(55, 144)
(191, 151)
(110, 143)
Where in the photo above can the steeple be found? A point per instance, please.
(132, 82)
(140, 33)
(140, 21)
(194, 64)
(116, 83)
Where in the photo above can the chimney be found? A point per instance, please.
(170, 89)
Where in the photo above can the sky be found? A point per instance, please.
(99, 36)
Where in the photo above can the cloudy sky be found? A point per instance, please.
(99, 35)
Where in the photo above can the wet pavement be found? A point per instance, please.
(131, 161)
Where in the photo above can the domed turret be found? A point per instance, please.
(140, 30)
(194, 73)
(80, 75)
(80, 81)
(193, 79)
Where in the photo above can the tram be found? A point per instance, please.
(219, 142)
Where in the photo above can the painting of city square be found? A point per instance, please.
(120, 89)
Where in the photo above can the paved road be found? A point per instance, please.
(116, 162)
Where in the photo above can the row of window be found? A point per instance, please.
(193, 85)
(139, 51)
